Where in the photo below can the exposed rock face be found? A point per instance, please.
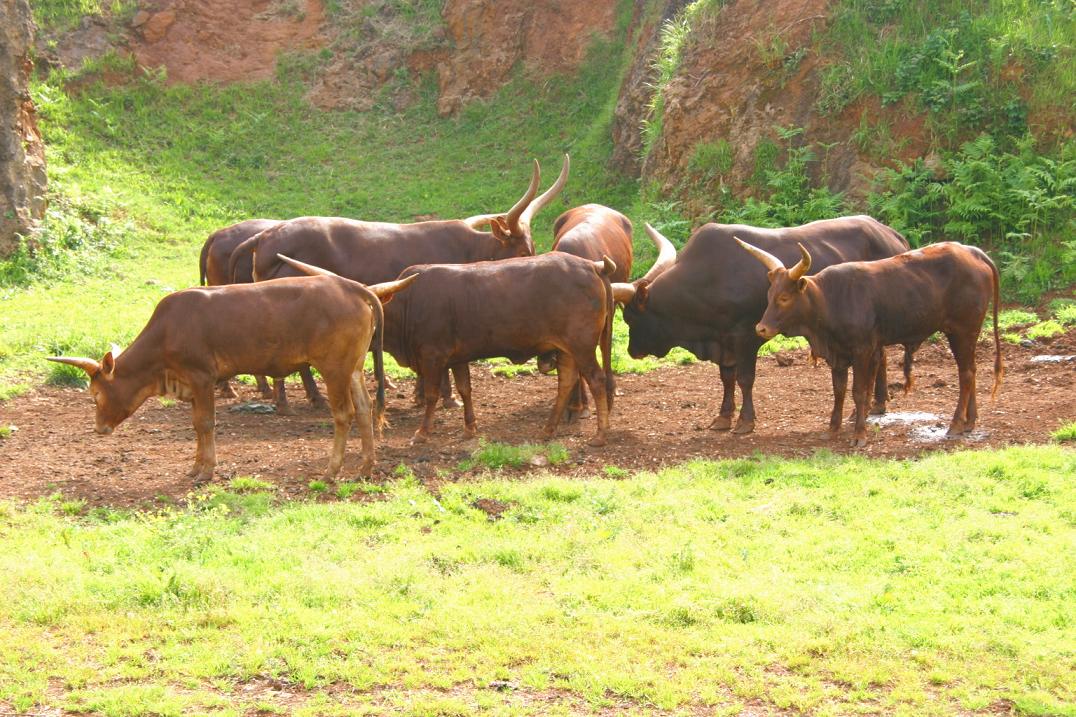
(232, 41)
(747, 69)
(491, 36)
(637, 88)
(22, 153)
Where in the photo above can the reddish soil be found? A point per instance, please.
(234, 41)
(654, 424)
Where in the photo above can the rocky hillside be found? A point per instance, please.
(766, 111)
(22, 154)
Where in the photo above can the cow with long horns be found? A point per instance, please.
(191, 341)
(850, 311)
(708, 298)
(591, 231)
(372, 252)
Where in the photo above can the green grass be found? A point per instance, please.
(826, 585)
(495, 456)
(1066, 433)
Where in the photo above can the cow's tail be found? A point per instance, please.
(378, 344)
(999, 369)
(203, 260)
(245, 248)
(606, 339)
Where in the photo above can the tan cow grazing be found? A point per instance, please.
(191, 341)
(849, 312)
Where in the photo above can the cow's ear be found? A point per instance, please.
(801, 285)
(108, 365)
(500, 229)
(642, 293)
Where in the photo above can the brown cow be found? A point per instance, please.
(708, 298)
(215, 269)
(849, 311)
(191, 341)
(372, 252)
(591, 231)
(458, 313)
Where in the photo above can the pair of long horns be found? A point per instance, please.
(623, 292)
(381, 291)
(88, 365)
(519, 217)
(772, 263)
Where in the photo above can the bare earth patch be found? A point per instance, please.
(654, 424)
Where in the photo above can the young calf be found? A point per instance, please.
(198, 336)
(848, 312)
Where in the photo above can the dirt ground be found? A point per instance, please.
(54, 447)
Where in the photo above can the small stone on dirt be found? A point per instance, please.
(539, 460)
(253, 407)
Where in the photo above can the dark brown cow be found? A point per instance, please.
(850, 311)
(216, 269)
(191, 341)
(591, 231)
(372, 252)
(458, 313)
(709, 298)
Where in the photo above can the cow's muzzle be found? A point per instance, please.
(765, 331)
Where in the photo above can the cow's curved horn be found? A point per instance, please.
(802, 266)
(767, 259)
(389, 288)
(666, 254)
(304, 267)
(479, 221)
(512, 217)
(623, 293)
(86, 364)
(547, 196)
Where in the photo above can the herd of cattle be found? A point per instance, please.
(284, 296)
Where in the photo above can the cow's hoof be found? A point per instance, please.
(202, 477)
(583, 413)
(831, 435)
(859, 442)
(450, 403)
(367, 468)
(419, 437)
(285, 411)
(196, 470)
(956, 430)
(228, 392)
(597, 441)
(721, 423)
(877, 409)
(743, 427)
(319, 404)
(471, 431)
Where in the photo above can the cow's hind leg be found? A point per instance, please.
(280, 393)
(595, 379)
(723, 421)
(364, 417)
(578, 405)
(226, 389)
(567, 376)
(881, 384)
(862, 381)
(447, 400)
(342, 405)
(963, 348)
(462, 374)
(263, 386)
(202, 415)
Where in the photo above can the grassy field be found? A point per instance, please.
(830, 585)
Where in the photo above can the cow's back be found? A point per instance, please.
(593, 231)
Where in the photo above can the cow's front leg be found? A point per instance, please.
(263, 386)
(462, 374)
(311, 388)
(881, 383)
(596, 380)
(862, 375)
(202, 415)
(281, 397)
(226, 389)
(839, 372)
(431, 375)
(745, 377)
(723, 421)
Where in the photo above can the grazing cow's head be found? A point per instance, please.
(513, 229)
(786, 302)
(648, 331)
(115, 399)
